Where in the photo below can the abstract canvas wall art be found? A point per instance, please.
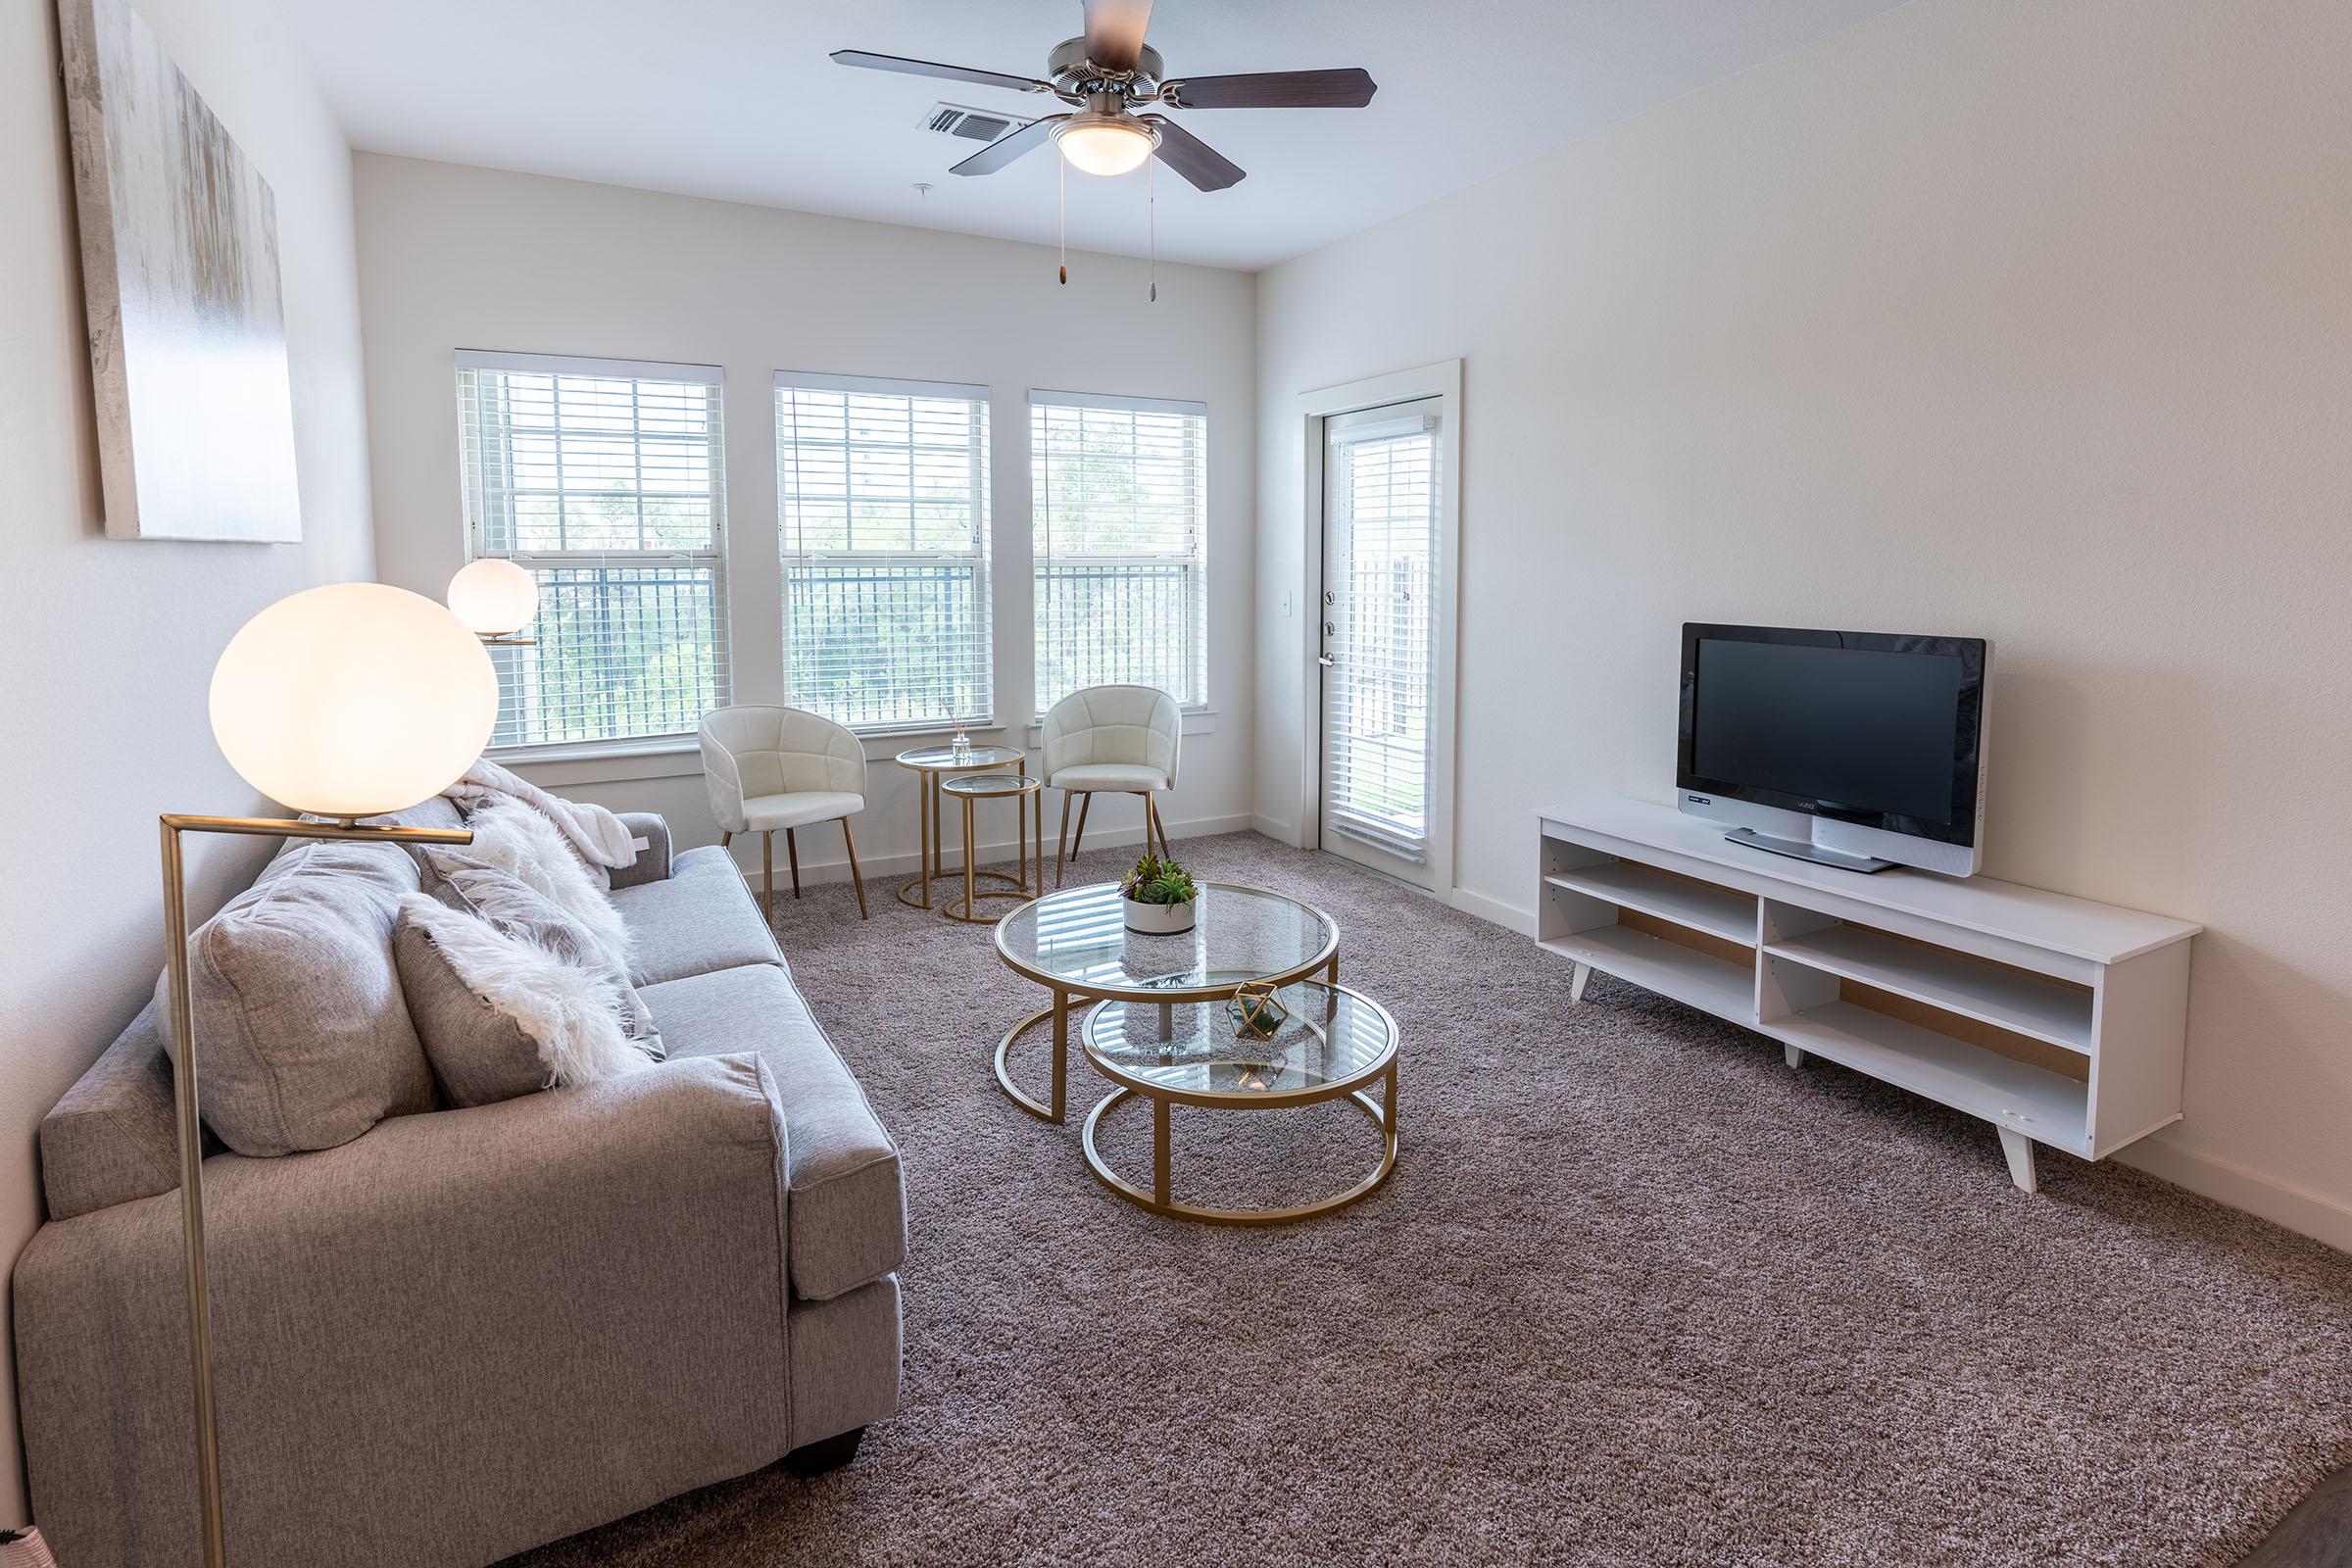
(180, 274)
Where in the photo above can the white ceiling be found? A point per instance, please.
(736, 99)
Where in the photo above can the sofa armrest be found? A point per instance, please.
(463, 1334)
(653, 861)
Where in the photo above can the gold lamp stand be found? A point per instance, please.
(192, 1125)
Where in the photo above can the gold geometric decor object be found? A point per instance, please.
(1255, 1012)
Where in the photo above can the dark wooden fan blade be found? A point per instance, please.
(932, 67)
(1114, 31)
(1352, 88)
(1196, 160)
(1005, 149)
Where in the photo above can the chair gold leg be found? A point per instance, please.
(767, 875)
(851, 839)
(725, 839)
(1062, 846)
(792, 849)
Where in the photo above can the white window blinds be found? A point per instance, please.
(1379, 550)
(882, 488)
(606, 481)
(1121, 523)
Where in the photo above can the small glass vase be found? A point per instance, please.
(960, 745)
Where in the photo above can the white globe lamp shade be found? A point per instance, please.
(352, 700)
(1107, 146)
(494, 598)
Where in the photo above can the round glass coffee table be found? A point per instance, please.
(930, 764)
(1334, 1043)
(1075, 943)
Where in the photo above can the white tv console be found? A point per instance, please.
(2056, 1019)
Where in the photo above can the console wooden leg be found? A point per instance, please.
(2020, 1151)
(1576, 982)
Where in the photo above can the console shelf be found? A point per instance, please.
(1698, 905)
(1655, 965)
(2008, 999)
(2058, 1020)
(2032, 1100)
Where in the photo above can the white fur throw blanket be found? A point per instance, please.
(594, 833)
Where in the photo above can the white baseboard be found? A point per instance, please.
(836, 868)
(1493, 912)
(2308, 1213)
(1279, 832)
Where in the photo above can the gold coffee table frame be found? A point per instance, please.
(1067, 990)
(931, 764)
(1161, 1200)
(1028, 798)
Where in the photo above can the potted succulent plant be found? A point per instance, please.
(1158, 896)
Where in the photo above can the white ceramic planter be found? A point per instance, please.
(1159, 919)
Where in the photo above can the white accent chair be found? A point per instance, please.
(1123, 740)
(782, 768)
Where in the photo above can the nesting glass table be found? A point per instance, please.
(1027, 796)
(933, 763)
(1075, 943)
(1334, 1044)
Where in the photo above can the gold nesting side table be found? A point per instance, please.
(931, 764)
(1028, 797)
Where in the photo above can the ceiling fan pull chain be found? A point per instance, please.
(1152, 225)
(1061, 205)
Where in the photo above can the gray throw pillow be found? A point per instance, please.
(303, 1038)
(501, 1015)
(480, 1055)
(514, 907)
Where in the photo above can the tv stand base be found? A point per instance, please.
(1800, 850)
(2054, 1020)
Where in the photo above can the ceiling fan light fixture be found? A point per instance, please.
(1104, 144)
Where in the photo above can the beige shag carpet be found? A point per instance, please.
(1636, 1294)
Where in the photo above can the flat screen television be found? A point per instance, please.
(1859, 749)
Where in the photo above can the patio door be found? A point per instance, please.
(1378, 636)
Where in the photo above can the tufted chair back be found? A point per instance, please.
(753, 750)
(1140, 725)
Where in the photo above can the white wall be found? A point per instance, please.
(1988, 316)
(457, 258)
(106, 646)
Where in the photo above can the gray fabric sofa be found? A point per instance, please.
(471, 1330)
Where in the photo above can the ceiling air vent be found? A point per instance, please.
(972, 124)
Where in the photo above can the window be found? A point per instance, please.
(604, 480)
(882, 489)
(1122, 523)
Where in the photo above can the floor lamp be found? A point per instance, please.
(341, 701)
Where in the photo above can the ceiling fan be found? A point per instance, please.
(1109, 73)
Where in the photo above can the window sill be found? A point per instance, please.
(681, 757)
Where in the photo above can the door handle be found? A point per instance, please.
(1326, 660)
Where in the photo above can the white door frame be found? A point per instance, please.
(1442, 381)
